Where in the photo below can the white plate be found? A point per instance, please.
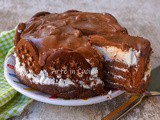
(46, 98)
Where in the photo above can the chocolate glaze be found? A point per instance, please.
(124, 42)
(69, 30)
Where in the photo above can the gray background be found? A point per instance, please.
(141, 18)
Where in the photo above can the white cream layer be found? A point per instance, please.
(120, 69)
(147, 72)
(43, 79)
(113, 53)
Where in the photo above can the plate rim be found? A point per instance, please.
(57, 101)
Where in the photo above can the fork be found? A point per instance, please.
(129, 105)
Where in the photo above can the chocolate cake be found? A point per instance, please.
(80, 54)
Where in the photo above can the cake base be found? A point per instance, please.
(71, 92)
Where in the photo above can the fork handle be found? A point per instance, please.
(124, 108)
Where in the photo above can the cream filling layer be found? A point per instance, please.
(120, 69)
(113, 53)
(43, 79)
(147, 72)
